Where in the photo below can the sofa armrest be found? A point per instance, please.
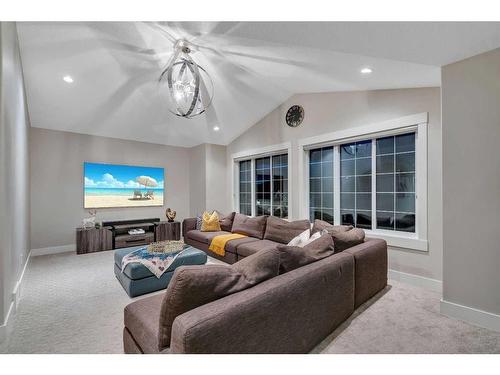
(370, 269)
(290, 313)
(187, 225)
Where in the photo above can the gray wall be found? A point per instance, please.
(14, 167)
(471, 182)
(327, 112)
(57, 181)
(197, 186)
(208, 190)
(216, 171)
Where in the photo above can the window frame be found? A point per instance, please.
(251, 185)
(414, 123)
(252, 155)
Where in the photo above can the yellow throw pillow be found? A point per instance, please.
(210, 222)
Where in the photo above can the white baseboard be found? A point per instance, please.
(6, 325)
(18, 289)
(471, 315)
(415, 280)
(53, 250)
(16, 297)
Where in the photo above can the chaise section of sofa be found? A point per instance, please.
(290, 313)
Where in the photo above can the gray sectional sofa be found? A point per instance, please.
(289, 313)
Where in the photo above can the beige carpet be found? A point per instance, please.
(74, 304)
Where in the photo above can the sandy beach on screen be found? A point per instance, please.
(103, 201)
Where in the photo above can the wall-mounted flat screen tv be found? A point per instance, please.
(113, 185)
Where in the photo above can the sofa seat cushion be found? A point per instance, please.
(250, 226)
(250, 248)
(142, 319)
(204, 237)
(194, 286)
(283, 231)
(232, 246)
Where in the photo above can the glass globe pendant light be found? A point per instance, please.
(190, 88)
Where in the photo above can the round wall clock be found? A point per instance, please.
(294, 116)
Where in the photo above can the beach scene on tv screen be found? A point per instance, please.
(112, 185)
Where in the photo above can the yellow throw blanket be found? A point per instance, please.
(218, 244)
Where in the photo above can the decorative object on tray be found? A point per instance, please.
(157, 263)
(136, 231)
(166, 247)
(170, 215)
(89, 222)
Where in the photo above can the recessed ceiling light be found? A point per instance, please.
(68, 79)
(216, 128)
(366, 70)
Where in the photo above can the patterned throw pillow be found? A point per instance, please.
(210, 222)
(199, 220)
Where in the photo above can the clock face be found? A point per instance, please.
(294, 116)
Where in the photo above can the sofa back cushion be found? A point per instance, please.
(250, 226)
(344, 236)
(292, 257)
(194, 286)
(283, 231)
(345, 240)
(226, 221)
(320, 225)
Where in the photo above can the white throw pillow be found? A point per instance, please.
(301, 238)
(304, 238)
(314, 237)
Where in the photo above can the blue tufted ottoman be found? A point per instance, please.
(137, 280)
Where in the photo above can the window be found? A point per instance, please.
(263, 186)
(246, 187)
(270, 186)
(280, 185)
(356, 184)
(377, 187)
(321, 184)
(396, 183)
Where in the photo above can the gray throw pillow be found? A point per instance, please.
(345, 240)
(226, 221)
(292, 257)
(194, 286)
(249, 226)
(283, 231)
(320, 225)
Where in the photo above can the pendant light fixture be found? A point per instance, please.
(190, 88)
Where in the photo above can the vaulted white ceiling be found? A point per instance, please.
(254, 68)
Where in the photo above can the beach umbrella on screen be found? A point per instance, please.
(147, 181)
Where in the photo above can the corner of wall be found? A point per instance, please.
(14, 173)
